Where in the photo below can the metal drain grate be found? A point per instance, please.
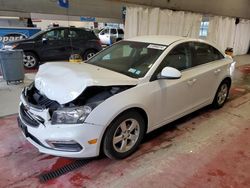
(63, 170)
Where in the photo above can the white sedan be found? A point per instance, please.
(111, 101)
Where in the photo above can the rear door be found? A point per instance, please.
(53, 45)
(113, 35)
(207, 67)
(77, 41)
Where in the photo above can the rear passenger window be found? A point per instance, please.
(217, 54)
(120, 31)
(179, 58)
(74, 34)
(113, 31)
(204, 53)
(89, 34)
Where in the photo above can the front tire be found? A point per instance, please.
(30, 60)
(221, 94)
(124, 135)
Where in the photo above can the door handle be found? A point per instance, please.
(217, 71)
(192, 81)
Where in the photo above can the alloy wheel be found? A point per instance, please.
(126, 135)
(89, 55)
(222, 94)
(29, 61)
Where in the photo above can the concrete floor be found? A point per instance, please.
(209, 148)
(9, 94)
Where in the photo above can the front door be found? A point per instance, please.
(173, 98)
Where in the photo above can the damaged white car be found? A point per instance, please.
(111, 101)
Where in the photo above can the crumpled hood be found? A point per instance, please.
(64, 82)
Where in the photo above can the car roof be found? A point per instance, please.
(158, 39)
(169, 39)
(51, 28)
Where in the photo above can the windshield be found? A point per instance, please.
(36, 34)
(133, 59)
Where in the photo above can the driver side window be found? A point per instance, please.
(179, 57)
(104, 32)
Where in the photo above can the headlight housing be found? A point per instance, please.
(73, 115)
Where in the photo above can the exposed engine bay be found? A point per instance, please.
(92, 96)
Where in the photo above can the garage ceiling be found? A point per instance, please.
(112, 8)
(231, 8)
(95, 8)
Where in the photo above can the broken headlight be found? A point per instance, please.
(73, 115)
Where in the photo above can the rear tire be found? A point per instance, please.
(88, 54)
(119, 39)
(30, 60)
(124, 135)
(221, 94)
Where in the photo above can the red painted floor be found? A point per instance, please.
(209, 148)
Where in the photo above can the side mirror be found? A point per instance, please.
(169, 73)
(44, 40)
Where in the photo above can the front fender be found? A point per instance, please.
(108, 110)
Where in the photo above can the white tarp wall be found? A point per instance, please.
(225, 33)
(155, 21)
(242, 37)
(221, 32)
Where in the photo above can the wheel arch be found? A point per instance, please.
(141, 111)
(34, 52)
(227, 79)
(118, 39)
(87, 50)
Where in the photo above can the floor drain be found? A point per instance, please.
(63, 170)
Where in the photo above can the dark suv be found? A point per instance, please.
(57, 44)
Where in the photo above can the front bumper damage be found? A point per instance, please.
(67, 140)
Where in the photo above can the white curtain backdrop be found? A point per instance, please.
(221, 32)
(242, 37)
(225, 33)
(155, 21)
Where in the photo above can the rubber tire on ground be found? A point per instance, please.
(215, 103)
(85, 55)
(108, 148)
(119, 39)
(35, 57)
